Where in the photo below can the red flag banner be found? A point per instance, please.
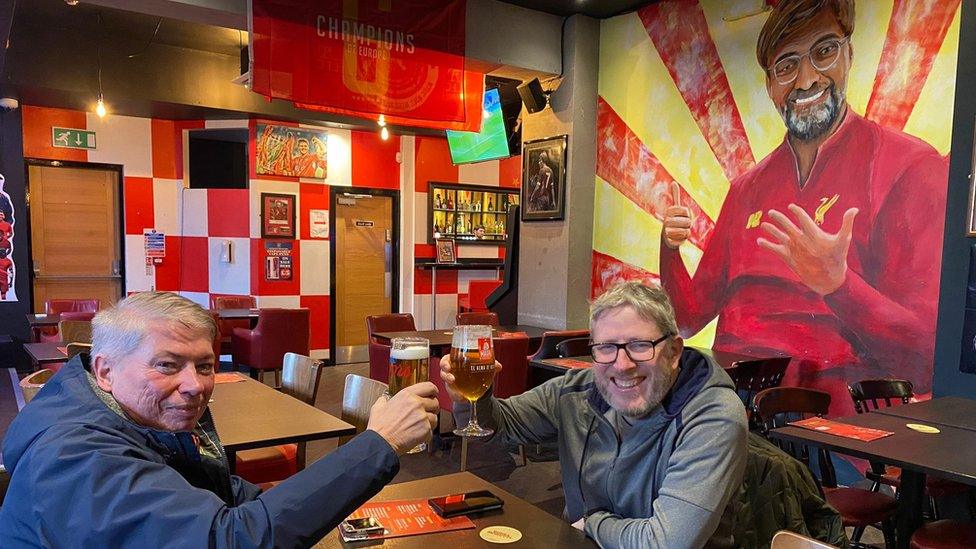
(400, 58)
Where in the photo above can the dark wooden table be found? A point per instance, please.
(442, 338)
(950, 454)
(723, 359)
(45, 353)
(249, 414)
(539, 528)
(949, 411)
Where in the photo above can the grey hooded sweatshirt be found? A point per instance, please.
(665, 483)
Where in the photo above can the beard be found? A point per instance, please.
(659, 384)
(816, 122)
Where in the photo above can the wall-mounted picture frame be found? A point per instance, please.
(544, 179)
(446, 251)
(289, 151)
(971, 212)
(278, 216)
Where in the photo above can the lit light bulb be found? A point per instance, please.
(384, 134)
(381, 121)
(100, 107)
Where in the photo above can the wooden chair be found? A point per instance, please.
(358, 397)
(263, 349)
(75, 331)
(33, 383)
(784, 539)
(858, 508)
(379, 351)
(300, 378)
(73, 349)
(488, 318)
(872, 394)
(578, 346)
(752, 376)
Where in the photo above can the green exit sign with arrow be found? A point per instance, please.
(68, 138)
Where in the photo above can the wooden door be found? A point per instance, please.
(364, 269)
(75, 234)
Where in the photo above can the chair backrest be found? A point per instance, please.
(576, 346)
(547, 348)
(75, 331)
(78, 315)
(63, 305)
(489, 318)
(777, 406)
(390, 322)
(871, 394)
(784, 539)
(300, 377)
(478, 291)
(358, 396)
(752, 376)
(279, 331)
(31, 384)
(232, 302)
(510, 352)
(73, 349)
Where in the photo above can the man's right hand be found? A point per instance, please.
(677, 220)
(448, 378)
(407, 419)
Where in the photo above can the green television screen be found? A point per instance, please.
(488, 144)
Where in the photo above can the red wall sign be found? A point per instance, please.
(403, 59)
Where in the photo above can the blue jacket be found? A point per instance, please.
(84, 476)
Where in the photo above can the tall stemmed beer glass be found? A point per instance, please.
(473, 366)
(409, 360)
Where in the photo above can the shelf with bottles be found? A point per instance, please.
(457, 211)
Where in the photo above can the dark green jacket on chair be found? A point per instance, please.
(779, 493)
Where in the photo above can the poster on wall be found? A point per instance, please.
(318, 223)
(278, 261)
(544, 179)
(291, 151)
(277, 215)
(781, 177)
(8, 271)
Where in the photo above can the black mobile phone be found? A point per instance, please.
(360, 528)
(465, 504)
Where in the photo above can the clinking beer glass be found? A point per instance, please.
(409, 361)
(473, 366)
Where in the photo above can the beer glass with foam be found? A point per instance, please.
(409, 360)
(473, 366)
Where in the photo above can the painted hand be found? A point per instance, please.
(816, 256)
(677, 220)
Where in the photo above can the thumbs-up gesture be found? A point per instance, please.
(677, 220)
(816, 256)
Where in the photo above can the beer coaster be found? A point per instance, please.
(922, 428)
(500, 534)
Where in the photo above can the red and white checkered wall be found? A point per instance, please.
(197, 222)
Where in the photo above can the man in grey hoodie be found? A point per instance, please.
(652, 438)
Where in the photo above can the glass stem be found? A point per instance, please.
(473, 422)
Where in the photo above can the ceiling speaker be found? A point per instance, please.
(532, 96)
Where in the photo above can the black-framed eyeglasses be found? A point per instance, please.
(638, 350)
(823, 55)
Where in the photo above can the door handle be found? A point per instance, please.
(116, 268)
(389, 235)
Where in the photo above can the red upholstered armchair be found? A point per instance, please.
(278, 331)
(57, 306)
(478, 291)
(379, 352)
(511, 352)
(226, 327)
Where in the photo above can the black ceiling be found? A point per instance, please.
(600, 9)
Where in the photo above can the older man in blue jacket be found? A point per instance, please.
(119, 449)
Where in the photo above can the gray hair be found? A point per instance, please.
(650, 302)
(121, 329)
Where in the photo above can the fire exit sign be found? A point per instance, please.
(69, 138)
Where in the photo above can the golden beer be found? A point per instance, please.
(408, 366)
(473, 371)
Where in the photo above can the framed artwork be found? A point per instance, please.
(446, 250)
(290, 151)
(971, 212)
(277, 215)
(544, 179)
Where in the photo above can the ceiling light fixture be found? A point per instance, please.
(71, 2)
(384, 133)
(381, 121)
(100, 107)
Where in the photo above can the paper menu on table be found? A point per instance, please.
(409, 517)
(865, 434)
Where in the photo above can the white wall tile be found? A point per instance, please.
(259, 186)
(123, 140)
(279, 301)
(477, 252)
(314, 267)
(200, 298)
(136, 279)
(194, 203)
(230, 278)
(482, 173)
(446, 311)
(339, 158)
(167, 205)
